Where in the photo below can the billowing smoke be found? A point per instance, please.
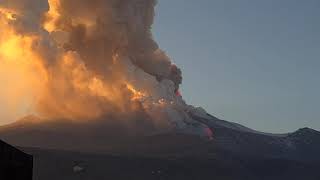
(83, 60)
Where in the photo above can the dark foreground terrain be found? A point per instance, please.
(64, 165)
(235, 152)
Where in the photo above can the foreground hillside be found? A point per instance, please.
(64, 165)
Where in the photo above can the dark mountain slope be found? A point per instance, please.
(236, 152)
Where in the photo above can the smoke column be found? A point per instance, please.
(83, 60)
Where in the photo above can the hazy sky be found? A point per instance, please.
(256, 62)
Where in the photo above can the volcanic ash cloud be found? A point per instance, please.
(82, 60)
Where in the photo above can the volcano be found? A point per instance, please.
(247, 153)
(105, 137)
(101, 88)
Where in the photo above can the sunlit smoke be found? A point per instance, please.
(22, 73)
(82, 60)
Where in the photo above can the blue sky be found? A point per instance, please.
(255, 62)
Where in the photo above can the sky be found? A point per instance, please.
(254, 62)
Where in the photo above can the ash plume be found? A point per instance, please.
(84, 60)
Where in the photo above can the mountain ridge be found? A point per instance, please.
(100, 136)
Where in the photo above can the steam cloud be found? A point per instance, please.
(86, 59)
